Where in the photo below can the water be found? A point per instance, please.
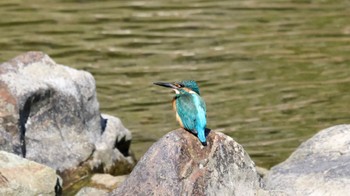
(272, 72)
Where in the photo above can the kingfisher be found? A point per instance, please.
(189, 107)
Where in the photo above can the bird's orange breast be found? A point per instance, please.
(177, 115)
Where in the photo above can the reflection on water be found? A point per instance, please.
(272, 72)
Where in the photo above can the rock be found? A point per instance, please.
(113, 147)
(320, 166)
(261, 171)
(178, 164)
(19, 176)
(90, 191)
(107, 181)
(103, 183)
(263, 192)
(49, 113)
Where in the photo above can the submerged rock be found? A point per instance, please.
(106, 181)
(91, 191)
(19, 176)
(320, 166)
(49, 113)
(178, 164)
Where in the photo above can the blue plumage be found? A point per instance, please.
(190, 108)
(190, 84)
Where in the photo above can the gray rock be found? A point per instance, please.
(19, 176)
(91, 191)
(49, 113)
(99, 184)
(320, 166)
(113, 147)
(178, 164)
(107, 181)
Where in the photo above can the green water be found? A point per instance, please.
(272, 72)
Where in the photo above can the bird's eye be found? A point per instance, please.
(179, 85)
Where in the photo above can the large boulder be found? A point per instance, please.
(178, 164)
(320, 166)
(19, 176)
(49, 113)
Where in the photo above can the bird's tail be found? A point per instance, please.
(201, 136)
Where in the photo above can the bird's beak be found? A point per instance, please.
(166, 84)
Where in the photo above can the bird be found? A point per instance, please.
(189, 107)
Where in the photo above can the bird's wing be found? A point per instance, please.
(202, 104)
(202, 114)
(189, 112)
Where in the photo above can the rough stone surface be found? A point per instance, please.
(178, 164)
(90, 191)
(261, 171)
(107, 181)
(113, 147)
(19, 176)
(320, 166)
(49, 113)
